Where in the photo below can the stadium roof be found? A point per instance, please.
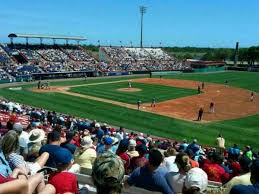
(15, 35)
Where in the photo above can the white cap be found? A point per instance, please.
(97, 125)
(196, 177)
(132, 143)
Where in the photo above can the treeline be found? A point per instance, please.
(245, 55)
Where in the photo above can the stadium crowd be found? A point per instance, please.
(23, 60)
(141, 59)
(75, 145)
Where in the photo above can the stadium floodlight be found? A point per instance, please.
(142, 10)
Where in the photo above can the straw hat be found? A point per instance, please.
(36, 135)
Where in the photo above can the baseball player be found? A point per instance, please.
(39, 85)
(153, 103)
(202, 85)
(200, 113)
(129, 84)
(252, 97)
(138, 104)
(199, 89)
(212, 107)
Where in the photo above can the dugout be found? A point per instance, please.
(63, 75)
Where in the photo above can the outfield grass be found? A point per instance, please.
(246, 80)
(109, 91)
(242, 131)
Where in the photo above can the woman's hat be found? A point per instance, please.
(86, 142)
(36, 135)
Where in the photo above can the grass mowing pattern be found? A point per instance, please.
(109, 91)
(242, 131)
(246, 80)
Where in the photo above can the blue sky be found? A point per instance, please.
(202, 23)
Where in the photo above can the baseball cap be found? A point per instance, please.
(18, 127)
(108, 170)
(86, 141)
(196, 177)
(97, 125)
(63, 156)
(132, 143)
(108, 141)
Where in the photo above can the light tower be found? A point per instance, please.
(142, 10)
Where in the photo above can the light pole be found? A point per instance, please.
(142, 10)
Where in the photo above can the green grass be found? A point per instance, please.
(242, 131)
(246, 80)
(109, 91)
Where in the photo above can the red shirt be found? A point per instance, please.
(125, 159)
(5, 179)
(215, 172)
(64, 182)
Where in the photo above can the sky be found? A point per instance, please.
(199, 23)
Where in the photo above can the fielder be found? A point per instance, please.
(153, 103)
(252, 97)
(138, 104)
(212, 107)
(129, 84)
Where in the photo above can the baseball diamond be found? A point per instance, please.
(99, 99)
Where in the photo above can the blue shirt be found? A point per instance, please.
(5, 169)
(152, 181)
(243, 189)
(53, 151)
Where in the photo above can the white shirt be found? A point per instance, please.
(24, 139)
(170, 165)
(176, 181)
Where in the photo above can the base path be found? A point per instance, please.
(230, 102)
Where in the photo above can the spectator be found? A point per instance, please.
(214, 169)
(234, 151)
(86, 155)
(193, 147)
(176, 179)
(62, 180)
(248, 152)
(151, 176)
(131, 150)
(183, 146)
(36, 136)
(140, 160)
(67, 144)
(10, 145)
(196, 182)
(23, 138)
(27, 185)
(169, 160)
(108, 173)
(53, 148)
(249, 189)
(244, 178)
(220, 142)
(122, 153)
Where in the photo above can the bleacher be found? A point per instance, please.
(140, 59)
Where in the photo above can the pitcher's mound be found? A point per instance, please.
(129, 89)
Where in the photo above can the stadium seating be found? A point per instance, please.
(140, 59)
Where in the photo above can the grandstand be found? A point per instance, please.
(30, 60)
(140, 59)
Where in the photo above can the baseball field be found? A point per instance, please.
(177, 103)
